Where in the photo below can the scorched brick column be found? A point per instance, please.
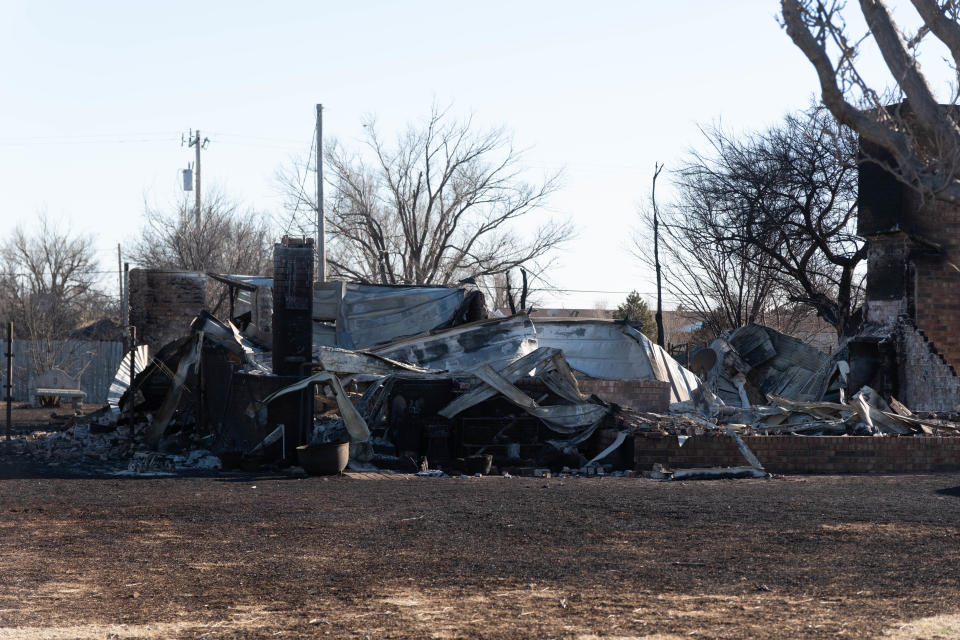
(292, 306)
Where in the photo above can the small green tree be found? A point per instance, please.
(634, 309)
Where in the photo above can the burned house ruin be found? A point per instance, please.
(909, 346)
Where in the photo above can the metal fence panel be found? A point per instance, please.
(94, 363)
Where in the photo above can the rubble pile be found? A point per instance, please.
(466, 395)
(98, 441)
(678, 424)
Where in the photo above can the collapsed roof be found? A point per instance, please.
(615, 350)
(357, 316)
(754, 363)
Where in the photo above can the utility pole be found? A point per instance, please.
(125, 296)
(196, 193)
(131, 392)
(194, 140)
(656, 252)
(9, 384)
(120, 278)
(321, 224)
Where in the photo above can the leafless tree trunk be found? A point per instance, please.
(436, 207)
(920, 135)
(48, 287)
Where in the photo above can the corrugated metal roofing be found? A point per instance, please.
(616, 351)
(495, 342)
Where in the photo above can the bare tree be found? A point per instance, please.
(435, 207)
(48, 281)
(512, 290)
(229, 239)
(724, 283)
(918, 136)
(788, 196)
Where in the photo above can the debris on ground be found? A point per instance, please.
(470, 394)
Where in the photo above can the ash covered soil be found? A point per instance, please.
(257, 556)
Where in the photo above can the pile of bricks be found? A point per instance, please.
(794, 454)
(639, 395)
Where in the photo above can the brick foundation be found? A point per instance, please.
(795, 454)
(639, 395)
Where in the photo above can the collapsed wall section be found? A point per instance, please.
(912, 290)
(927, 382)
(164, 303)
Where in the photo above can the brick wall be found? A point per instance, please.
(639, 395)
(794, 454)
(913, 247)
(936, 295)
(163, 303)
(927, 382)
(938, 307)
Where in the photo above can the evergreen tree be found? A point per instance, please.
(635, 310)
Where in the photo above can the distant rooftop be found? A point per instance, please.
(598, 314)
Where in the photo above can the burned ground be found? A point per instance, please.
(239, 556)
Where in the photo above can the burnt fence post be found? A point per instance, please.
(9, 384)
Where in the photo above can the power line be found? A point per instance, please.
(88, 135)
(558, 290)
(85, 142)
(267, 138)
(258, 145)
(303, 180)
(147, 137)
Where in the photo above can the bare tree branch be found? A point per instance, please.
(229, 239)
(437, 206)
(48, 281)
(767, 220)
(921, 136)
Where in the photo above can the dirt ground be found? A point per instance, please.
(25, 418)
(257, 556)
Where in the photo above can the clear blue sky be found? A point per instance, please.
(95, 96)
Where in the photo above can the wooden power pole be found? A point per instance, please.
(194, 140)
(656, 252)
(8, 386)
(321, 224)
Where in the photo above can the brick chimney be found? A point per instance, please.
(292, 306)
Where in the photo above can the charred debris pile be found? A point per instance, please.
(418, 379)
